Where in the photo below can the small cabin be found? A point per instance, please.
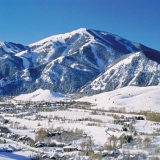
(70, 149)
(59, 150)
(56, 156)
(45, 156)
(40, 144)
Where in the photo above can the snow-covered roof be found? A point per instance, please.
(72, 147)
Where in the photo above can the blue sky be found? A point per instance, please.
(27, 21)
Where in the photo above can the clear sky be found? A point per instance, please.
(27, 21)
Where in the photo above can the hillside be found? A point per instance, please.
(131, 98)
(41, 95)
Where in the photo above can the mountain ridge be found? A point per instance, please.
(67, 62)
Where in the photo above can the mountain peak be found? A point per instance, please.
(68, 62)
(60, 37)
(80, 30)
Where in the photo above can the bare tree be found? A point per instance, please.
(147, 141)
(139, 142)
(113, 141)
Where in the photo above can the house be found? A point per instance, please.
(97, 152)
(51, 134)
(60, 145)
(40, 144)
(56, 156)
(13, 136)
(70, 149)
(121, 157)
(21, 138)
(13, 148)
(9, 150)
(99, 148)
(115, 152)
(4, 130)
(104, 153)
(59, 150)
(86, 136)
(5, 149)
(45, 156)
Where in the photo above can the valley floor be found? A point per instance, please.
(88, 128)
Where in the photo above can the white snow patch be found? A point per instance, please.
(129, 48)
(26, 75)
(60, 37)
(99, 61)
(40, 95)
(132, 98)
(26, 63)
(6, 49)
(28, 55)
(101, 37)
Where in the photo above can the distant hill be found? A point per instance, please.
(41, 95)
(132, 98)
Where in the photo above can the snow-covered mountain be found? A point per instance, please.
(71, 62)
(135, 69)
(10, 64)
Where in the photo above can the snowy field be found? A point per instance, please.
(99, 125)
(132, 98)
(21, 155)
(97, 133)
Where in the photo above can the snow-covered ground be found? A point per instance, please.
(97, 132)
(98, 126)
(20, 155)
(42, 95)
(132, 98)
